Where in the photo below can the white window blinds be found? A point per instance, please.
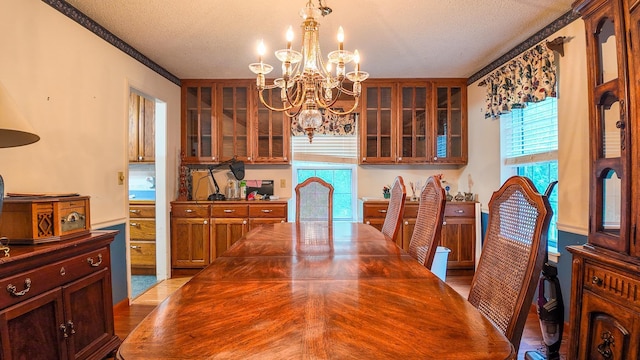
(325, 148)
(530, 134)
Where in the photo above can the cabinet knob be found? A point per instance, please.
(400, 158)
(140, 158)
(384, 211)
(244, 222)
(229, 210)
(459, 211)
(406, 223)
(63, 272)
(188, 211)
(444, 223)
(282, 221)
(206, 222)
(596, 281)
(364, 159)
(435, 158)
(368, 223)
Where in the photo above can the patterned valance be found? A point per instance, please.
(331, 125)
(530, 77)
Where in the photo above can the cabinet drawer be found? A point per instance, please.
(374, 211)
(142, 229)
(190, 211)
(229, 211)
(143, 253)
(142, 211)
(618, 286)
(23, 286)
(268, 211)
(460, 209)
(410, 211)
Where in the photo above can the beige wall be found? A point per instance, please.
(573, 137)
(73, 88)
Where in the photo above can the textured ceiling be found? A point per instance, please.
(399, 38)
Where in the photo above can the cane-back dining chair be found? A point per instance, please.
(512, 256)
(395, 210)
(426, 233)
(314, 200)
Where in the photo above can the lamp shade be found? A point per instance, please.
(14, 128)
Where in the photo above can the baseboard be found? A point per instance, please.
(121, 305)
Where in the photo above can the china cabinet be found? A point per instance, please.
(605, 300)
(223, 119)
(413, 121)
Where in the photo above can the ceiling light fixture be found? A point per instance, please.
(307, 83)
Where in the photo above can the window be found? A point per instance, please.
(529, 147)
(333, 159)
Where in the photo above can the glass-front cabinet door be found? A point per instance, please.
(449, 144)
(634, 64)
(234, 114)
(414, 130)
(198, 130)
(377, 131)
(610, 182)
(273, 131)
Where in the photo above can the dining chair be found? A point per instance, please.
(395, 209)
(428, 227)
(314, 200)
(512, 256)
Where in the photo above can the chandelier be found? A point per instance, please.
(307, 84)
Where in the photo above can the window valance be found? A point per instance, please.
(530, 77)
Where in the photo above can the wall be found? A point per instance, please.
(73, 88)
(573, 148)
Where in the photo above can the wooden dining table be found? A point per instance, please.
(315, 291)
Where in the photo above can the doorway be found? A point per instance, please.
(142, 193)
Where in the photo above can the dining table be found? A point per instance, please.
(315, 290)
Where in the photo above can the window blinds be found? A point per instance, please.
(325, 148)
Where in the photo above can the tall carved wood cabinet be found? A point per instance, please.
(605, 301)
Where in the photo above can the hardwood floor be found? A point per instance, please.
(127, 318)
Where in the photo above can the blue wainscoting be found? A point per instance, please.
(118, 263)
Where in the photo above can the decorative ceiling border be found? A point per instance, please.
(547, 31)
(82, 19)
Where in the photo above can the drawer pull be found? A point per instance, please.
(63, 272)
(70, 327)
(134, 247)
(188, 211)
(382, 211)
(14, 291)
(459, 211)
(605, 347)
(229, 210)
(134, 211)
(94, 264)
(368, 223)
(63, 328)
(596, 281)
(266, 211)
(134, 225)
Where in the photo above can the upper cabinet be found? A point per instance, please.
(224, 119)
(141, 129)
(408, 121)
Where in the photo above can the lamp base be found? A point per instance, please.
(216, 196)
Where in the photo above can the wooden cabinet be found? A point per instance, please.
(141, 129)
(190, 234)
(222, 119)
(201, 232)
(605, 305)
(458, 229)
(142, 238)
(414, 121)
(229, 222)
(58, 303)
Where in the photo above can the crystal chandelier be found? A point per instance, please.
(307, 83)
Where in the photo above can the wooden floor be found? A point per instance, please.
(126, 318)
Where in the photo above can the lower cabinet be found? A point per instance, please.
(142, 233)
(202, 232)
(458, 230)
(58, 302)
(605, 306)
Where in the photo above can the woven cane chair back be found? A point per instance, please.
(314, 200)
(512, 256)
(395, 210)
(426, 233)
